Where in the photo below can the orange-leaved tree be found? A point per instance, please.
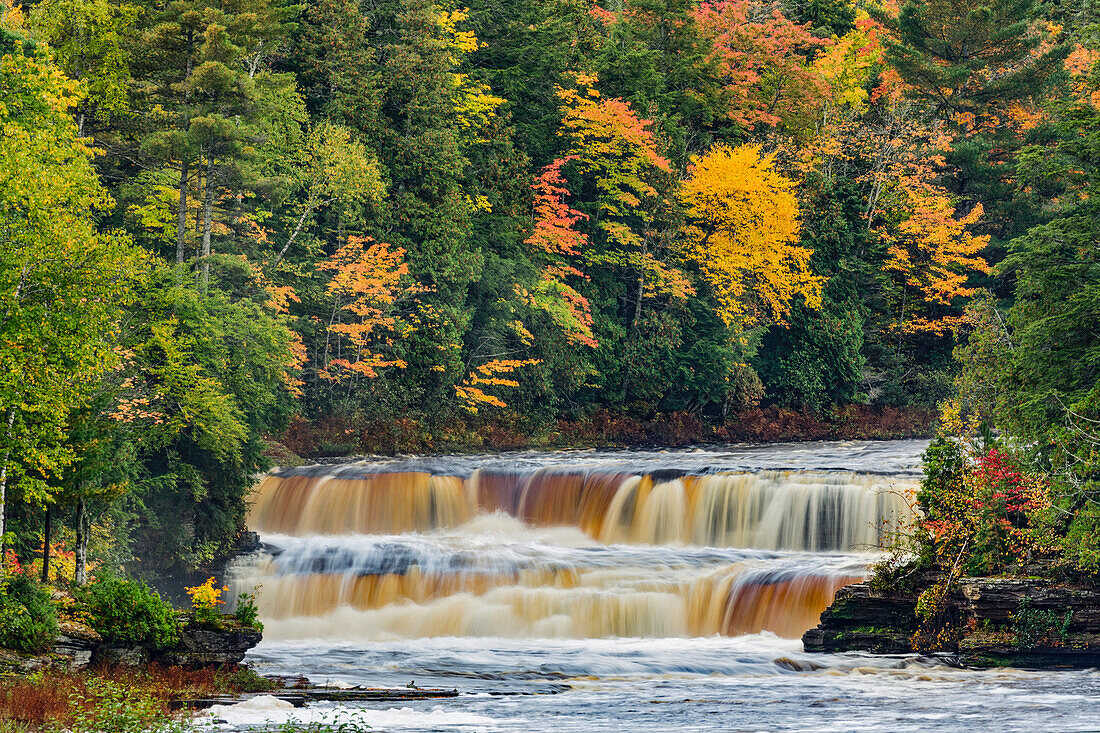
(367, 283)
(743, 234)
(931, 257)
(555, 239)
(615, 154)
(763, 60)
(494, 373)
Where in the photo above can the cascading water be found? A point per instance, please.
(659, 591)
(775, 510)
(559, 550)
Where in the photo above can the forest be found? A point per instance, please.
(231, 230)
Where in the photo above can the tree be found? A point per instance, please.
(332, 168)
(197, 72)
(368, 281)
(63, 284)
(743, 236)
(932, 256)
(981, 67)
(623, 179)
(89, 42)
(763, 61)
(820, 358)
(616, 154)
(208, 377)
(555, 238)
(969, 58)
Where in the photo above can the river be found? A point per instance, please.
(607, 591)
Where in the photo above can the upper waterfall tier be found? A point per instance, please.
(775, 510)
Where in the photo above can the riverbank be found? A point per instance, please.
(115, 697)
(336, 435)
(977, 622)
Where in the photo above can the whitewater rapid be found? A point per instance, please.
(606, 591)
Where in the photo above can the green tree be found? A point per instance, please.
(63, 284)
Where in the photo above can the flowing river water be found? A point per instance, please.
(607, 591)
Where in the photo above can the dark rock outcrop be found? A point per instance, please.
(860, 619)
(202, 646)
(1019, 622)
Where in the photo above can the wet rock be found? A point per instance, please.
(861, 619)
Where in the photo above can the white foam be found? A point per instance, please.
(268, 710)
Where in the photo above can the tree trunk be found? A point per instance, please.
(181, 220)
(46, 531)
(4, 488)
(207, 212)
(294, 235)
(625, 385)
(80, 572)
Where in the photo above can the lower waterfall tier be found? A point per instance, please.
(496, 577)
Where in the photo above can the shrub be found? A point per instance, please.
(129, 612)
(1039, 628)
(28, 619)
(247, 613)
(982, 513)
(115, 708)
(245, 679)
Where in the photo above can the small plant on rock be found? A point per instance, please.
(205, 600)
(247, 613)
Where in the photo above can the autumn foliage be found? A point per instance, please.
(933, 255)
(744, 236)
(366, 287)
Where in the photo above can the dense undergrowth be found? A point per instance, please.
(337, 435)
(121, 611)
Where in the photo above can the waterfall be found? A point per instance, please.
(777, 510)
(379, 552)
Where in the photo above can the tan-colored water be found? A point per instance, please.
(561, 552)
(807, 511)
(548, 602)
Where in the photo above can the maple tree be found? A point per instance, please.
(764, 63)
(743, 235)
(614, 150)
(554, 235)
(366, 284)
(494, 373)
(932, 255)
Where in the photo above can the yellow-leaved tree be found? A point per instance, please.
(743, 227)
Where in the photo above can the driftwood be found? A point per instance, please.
(300, 698)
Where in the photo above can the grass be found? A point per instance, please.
(114, 699)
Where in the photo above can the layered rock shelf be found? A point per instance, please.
(200, 645)
(1018, 622)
